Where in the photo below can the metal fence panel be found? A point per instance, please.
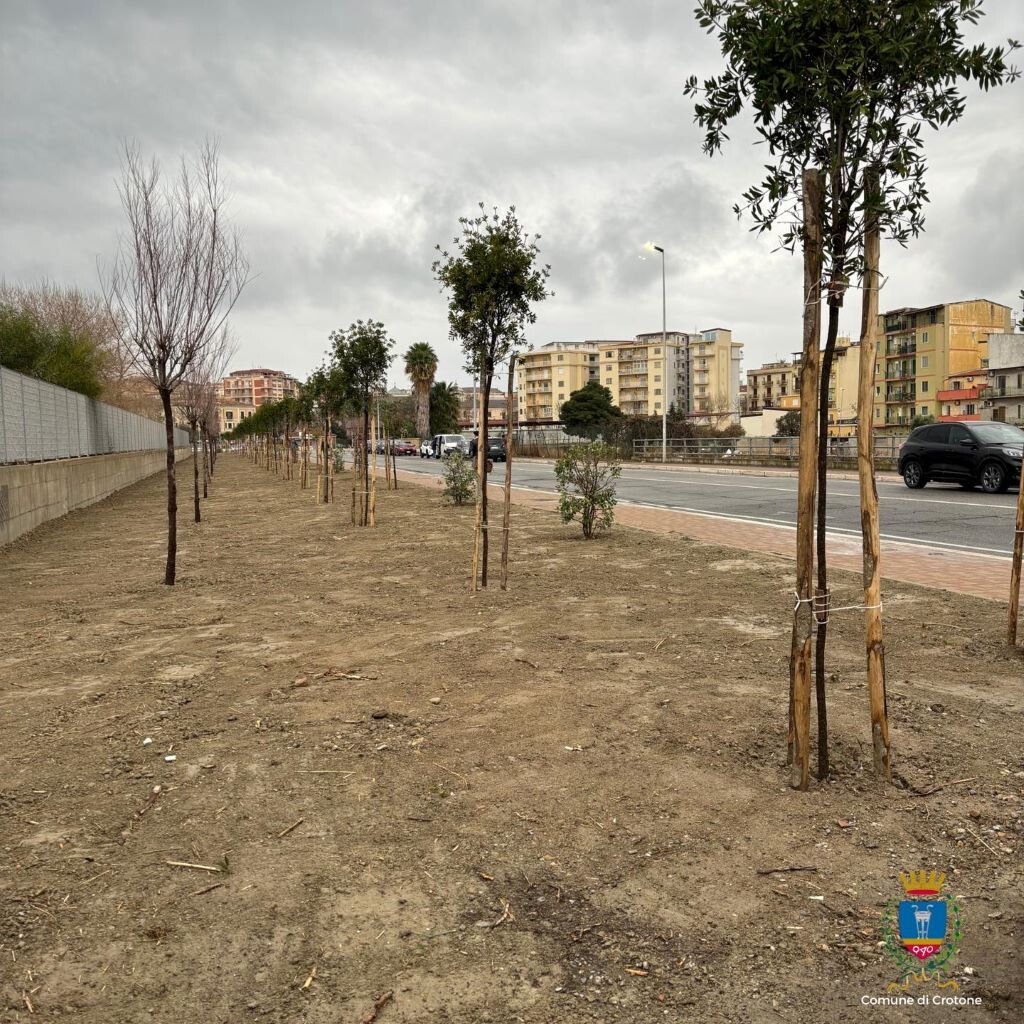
(40, 421)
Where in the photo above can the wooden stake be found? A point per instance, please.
(356, 465)
(506, 511)
(373, 476)
(803, 616)
(394, 468)
(1015, 567)
(880, 743)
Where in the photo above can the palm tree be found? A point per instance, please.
(420, 366)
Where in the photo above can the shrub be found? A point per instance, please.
(459, 479)
(586, 476)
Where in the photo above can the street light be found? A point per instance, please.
(651, 247)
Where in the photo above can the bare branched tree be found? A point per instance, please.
(178, 272)
(196, 400)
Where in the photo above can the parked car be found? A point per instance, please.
(445, 443)
(426, 448)
(496, 449)
(403, 448)
(986, 454)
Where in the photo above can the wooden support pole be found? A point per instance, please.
(803, 614)
(1015, 567)
(373, 476)
(506, 511)
(880, 744)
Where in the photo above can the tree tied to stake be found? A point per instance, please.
(841, 85)
(493, 278)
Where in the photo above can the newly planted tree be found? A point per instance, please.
(494, 278)
(177, 274)
(362, 354)
(843, 86)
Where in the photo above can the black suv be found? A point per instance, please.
(968, 454)
(496, 449)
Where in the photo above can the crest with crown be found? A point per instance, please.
(922, 883)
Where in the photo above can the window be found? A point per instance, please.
(607, 380)
(657, 377)
(924, 362)
(924, 386)
(924, 338)
(878, 390)
(970, 409)
(561, 359)
(958, 434)
(924, 410)
(657, 391)
(657, 351)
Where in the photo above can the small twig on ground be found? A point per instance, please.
(506, 915)
(321, 771)
(209, 888)
(458, 775)
(154, 795)
(526, 661)
(991, 849)
(291, 828)
(28, 1002)
(941, 786)
(380, 1003)
(312, 977)
(782, 871)
(195, 867)
(660, 643)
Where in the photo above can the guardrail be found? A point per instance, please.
(782, 452)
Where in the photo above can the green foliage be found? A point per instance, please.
(56, 354)
(361, 357)
(589, 412)
(585, 477)
(420, 367)
(398, 416)
(921, 420)
(842, 85)
(459, 479)
(493, 280)
(445, 402)
(789, 425)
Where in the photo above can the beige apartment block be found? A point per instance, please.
(921, 348)
(714, 371)
(1003, 398)
(768, 383)
(547, 376)
(244, 391)
(646, 375)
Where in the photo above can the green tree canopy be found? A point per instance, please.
(420, 367)
(445, 402)
(589, 412)
(54, 353)
(788, 425)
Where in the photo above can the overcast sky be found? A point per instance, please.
(354, 134)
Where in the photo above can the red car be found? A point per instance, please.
(403, 448)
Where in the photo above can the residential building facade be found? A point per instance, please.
(242, 392)
(1003, 397)
(960, 396)
(768, 383)
(920, 349)
(497, 408)
(547, 376)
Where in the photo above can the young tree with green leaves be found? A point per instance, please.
(326, 395)
(494, 278)
(585, 479)
(589, 411)
(844, 86)
(362, 354)
(420, 367)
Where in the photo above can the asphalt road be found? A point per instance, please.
(938, 516)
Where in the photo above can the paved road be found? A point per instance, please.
(939, 516)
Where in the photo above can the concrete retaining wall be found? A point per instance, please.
(33, 493)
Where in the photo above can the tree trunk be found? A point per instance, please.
(506, 511)
(1015, 568)
(194, 431)
(803, 614)
(172, 492)
(485, 398)
(875, 645)
(423, 409)
(205, 442)
(364, 517)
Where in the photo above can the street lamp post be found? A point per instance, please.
(651, 247)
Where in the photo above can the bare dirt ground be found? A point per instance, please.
(545, 805)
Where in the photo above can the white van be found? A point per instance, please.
(445, 443)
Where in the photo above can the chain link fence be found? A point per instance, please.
(40, 421)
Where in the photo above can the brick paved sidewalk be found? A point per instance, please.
(961, 572)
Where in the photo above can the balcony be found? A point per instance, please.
(998, 392)
(902, 348)
(901, 396)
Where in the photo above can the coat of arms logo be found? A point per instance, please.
(922, 931)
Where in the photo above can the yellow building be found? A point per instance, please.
(714, 371)
(843, 383)
(547, 376)
(921, 348)
(767, 384)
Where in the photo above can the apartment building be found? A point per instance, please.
(768, 383)
(693, 374)
(843, 383)
(242, 392)
(1003, 397)
(547, 376)
(497, 408)
(920, 349)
